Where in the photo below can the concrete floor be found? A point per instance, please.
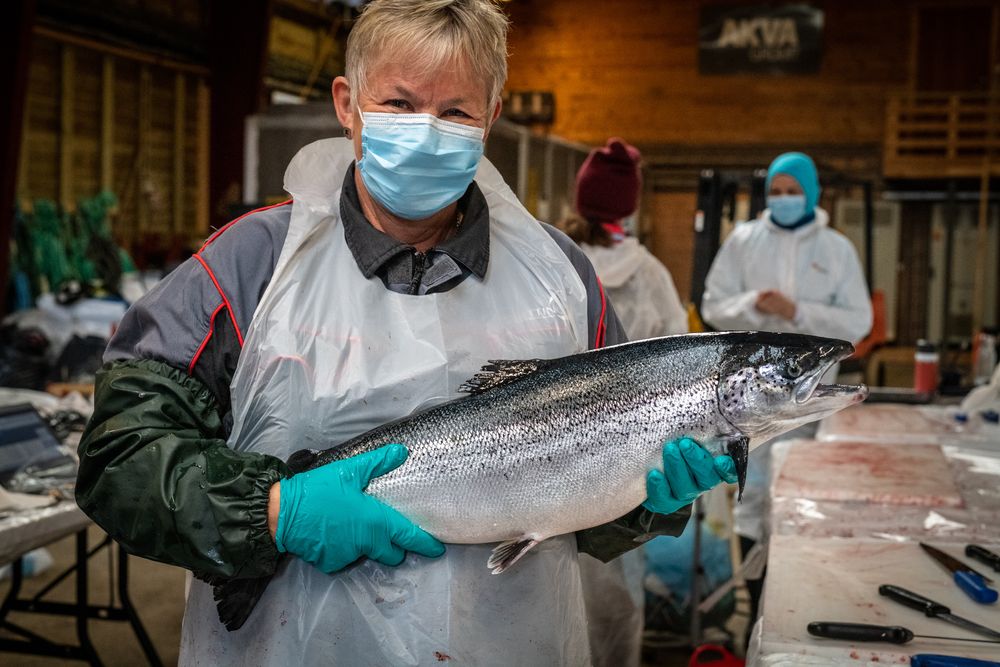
(157, 591)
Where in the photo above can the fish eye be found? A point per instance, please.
(793, 370)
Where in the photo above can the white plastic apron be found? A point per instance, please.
(615, 599)
(330, 355)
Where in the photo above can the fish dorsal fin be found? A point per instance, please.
(499, 372)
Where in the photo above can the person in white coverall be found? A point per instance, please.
(640, 287)
(643, 294)
(786, 271)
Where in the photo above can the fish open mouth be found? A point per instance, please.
(854, 393)
(809, 387)
(828, 398)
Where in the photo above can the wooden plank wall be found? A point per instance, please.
(630, 68)
(99, 119)
(672, 214)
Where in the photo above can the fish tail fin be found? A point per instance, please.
(507, 553)
(236, 598)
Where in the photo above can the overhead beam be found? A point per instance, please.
(119, 51)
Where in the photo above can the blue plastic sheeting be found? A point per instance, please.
(670, 559)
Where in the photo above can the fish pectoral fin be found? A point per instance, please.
(499, 372)
(739, 449)
(507, 553)
(302, 460)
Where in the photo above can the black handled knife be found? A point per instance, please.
(983, 556)
(933, 609)
(863, 632)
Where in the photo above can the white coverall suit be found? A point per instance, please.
(814, 266)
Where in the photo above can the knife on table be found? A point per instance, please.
(983, 555)
(931, 660)
(933, 609)
(863, 632)
(971, 582)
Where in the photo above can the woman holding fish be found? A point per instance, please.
(402, 264)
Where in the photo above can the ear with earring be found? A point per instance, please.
(347, 133)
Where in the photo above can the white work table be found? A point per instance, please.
(847, 513)
(22, 531)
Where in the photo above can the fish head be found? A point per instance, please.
(770, 384)
(768, 389)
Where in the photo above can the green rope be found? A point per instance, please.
(48, 240)
(51, 248)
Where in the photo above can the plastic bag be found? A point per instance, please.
(23, 362)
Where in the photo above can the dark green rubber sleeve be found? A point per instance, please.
(157, 475)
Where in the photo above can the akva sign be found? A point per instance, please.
(784, 39)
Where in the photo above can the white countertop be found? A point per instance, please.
(831, 548)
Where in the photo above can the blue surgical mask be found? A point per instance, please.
(416, 164)
(787, 210)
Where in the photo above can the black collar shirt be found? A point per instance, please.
(403, 269)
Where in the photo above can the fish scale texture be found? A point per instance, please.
(559, 450)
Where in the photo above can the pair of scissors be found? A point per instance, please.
(973, 583)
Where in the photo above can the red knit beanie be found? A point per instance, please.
(607, 185)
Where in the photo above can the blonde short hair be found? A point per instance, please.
(432, 33)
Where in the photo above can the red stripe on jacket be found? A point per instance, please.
(208, 337)
(225, 299)
(601, 329)
(233, 222)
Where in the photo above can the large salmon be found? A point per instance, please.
(545, 447)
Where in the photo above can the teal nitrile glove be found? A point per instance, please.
(326, 518)
(688, 472)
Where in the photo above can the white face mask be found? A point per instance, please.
(417, 164)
